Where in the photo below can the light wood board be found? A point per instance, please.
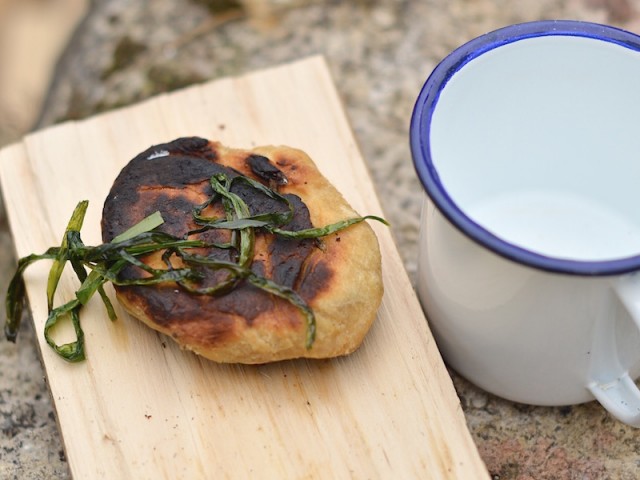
(140, 408)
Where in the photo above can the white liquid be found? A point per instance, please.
(559, 225)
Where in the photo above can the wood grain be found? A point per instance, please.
(141, 408)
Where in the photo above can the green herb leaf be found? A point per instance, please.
(73, 351)
(145, 225)
(105, 262)
(323, 231)
(293, 297)
(16, 293)
(75, 224)
(237, 224)
(235, 209)
(90, 285)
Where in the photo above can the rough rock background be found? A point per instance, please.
(380, 53)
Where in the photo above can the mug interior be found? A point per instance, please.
(533, 143)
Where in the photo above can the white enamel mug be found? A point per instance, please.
(527, 143)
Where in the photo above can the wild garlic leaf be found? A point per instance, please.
(75, 224)
(96, 265)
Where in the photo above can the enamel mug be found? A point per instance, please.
(527, 143)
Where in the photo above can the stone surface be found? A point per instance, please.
(380, 53)
(32, 35)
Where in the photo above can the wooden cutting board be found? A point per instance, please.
(140, 408)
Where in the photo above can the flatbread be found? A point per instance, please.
(339, 277)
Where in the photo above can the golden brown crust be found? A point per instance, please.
(341, 282)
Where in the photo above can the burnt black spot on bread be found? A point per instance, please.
(288, 255)
(173, 165)
(191, 146)
(267, 171)
(179, 313)
(314, 279)
(258, 202)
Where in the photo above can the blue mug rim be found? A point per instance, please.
(428, 174)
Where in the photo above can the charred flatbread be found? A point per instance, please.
(338, 276)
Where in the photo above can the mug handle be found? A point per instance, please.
(619, 395)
